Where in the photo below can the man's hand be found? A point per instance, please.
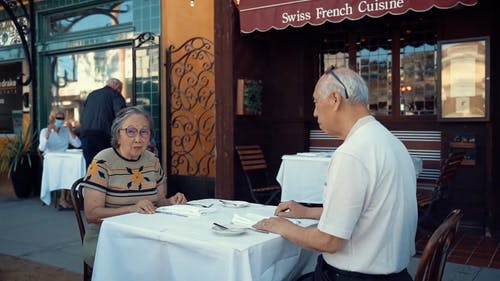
(290, 209)
(274, 224)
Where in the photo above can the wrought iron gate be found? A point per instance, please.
(191, 108)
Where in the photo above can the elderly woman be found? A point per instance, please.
(125, 178)
(55, 138)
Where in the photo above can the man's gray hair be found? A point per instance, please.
(113, 82)
(354, 84)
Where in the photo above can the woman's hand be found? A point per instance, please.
(178, 198)
(144, 207)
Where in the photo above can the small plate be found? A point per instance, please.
(228, 232)
(234, 204)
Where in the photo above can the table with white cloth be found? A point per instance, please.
(60, 171)
(171, 247)
(302, 176)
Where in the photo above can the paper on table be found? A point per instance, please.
(247, 220)
(186, 210)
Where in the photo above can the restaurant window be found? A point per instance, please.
(334, 51)
(100, 16)
(418, 91)
(75, 75)
(8, 32)
(374, 64)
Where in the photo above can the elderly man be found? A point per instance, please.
(99, 110)
(367, 224)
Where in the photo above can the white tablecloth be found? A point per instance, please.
(60, 171)
(170, 247)
(302, 176)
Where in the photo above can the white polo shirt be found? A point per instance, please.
(370, 200)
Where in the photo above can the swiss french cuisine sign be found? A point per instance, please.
(263, 15)
(346, 10)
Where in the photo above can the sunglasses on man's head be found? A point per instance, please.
(332, 73)
(132, 132)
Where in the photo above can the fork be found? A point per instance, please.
(199, 204)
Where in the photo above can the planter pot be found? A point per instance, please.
(22, 180)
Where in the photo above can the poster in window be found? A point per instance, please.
(463, 79)
(11, 98)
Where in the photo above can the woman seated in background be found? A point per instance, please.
(56, 138)
(125, 178)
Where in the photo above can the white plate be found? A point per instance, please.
(229, 232)
(234, 204)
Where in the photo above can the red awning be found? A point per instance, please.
(263, 15)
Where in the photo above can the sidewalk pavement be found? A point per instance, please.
(34, 231)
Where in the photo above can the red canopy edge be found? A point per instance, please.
(263, 15)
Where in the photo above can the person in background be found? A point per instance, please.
(367, 224)
(99, 110)
(125, 178)
(56, 138)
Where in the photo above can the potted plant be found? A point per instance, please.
(16, 161)
(253, 97)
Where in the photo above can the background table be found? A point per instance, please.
(60, 171)
(302, 176)
(169, 247)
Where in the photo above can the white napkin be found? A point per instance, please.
(185, 210)
(307, 154)
(247, 220)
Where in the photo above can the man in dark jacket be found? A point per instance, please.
(99, 110)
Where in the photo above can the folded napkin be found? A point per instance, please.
(307, 154)
(184, 210)
(247, 220)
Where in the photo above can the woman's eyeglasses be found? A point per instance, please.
(59, 118)
(132, 132)
(331, 72)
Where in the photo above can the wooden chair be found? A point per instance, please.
(433, 260)
(255, 169)
(429, 193)
(77, 200)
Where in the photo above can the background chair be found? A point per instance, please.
(433, 260)
(430, 193)
(77, 201)
(255, 169)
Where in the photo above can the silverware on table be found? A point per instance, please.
(199, 204)
(250, 228)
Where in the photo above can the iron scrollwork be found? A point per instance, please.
(191, 130)
(25, 25)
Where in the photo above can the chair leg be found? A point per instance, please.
(55, 198)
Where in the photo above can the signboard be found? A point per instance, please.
(11, 98)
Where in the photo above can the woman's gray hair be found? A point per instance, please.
(355, 85)
(123, 115)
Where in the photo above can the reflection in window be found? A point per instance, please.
(8, 32)
(418, 71)
(75, 75)
(334, 51)
(104, 15)
(374, 63)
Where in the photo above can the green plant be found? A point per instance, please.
(253, 96)
(16, 151)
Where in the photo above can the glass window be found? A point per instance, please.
(75, 75)
(8, 32)
(374, 64)
(334, 51)
(104, 15)
(418, 71)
